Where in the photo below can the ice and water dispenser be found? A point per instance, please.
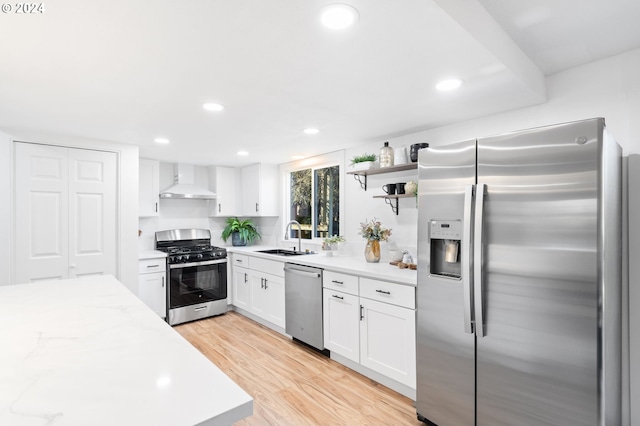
(445, 236)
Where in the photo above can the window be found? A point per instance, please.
(314, 201)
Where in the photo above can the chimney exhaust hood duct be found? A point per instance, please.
(183, 187)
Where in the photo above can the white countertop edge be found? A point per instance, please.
(354, 265)
(151, 254)
(87, 351)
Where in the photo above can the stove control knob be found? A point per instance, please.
(199, 256)
(178, 259)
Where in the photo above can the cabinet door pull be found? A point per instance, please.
(338, 297)
(261, 282)
(219, 208)
(361, 312)
(256, 207)
(162, 282)
(338, 282)
(156, 207)
(153, 266)
(239, 260)
(265, 283)
(383, 292)
(245, 277)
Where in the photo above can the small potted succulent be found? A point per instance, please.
(363, 162)
(240, 231)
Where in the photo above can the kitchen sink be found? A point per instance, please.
(283, 252)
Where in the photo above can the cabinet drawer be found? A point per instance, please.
(147, 266)
(272, 267)
(340, 282)
(240, 260)
(384, 291)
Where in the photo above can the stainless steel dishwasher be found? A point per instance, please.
(303, 307)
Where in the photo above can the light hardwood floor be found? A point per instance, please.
(291, 384)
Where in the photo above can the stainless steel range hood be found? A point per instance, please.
(183, 187)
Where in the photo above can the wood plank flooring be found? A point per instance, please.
(292, 384)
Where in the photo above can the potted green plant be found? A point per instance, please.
(240, 231)
(363, 162)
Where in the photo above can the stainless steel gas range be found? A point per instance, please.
(197, 274)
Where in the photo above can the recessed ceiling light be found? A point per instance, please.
(297, 157)
(161, 140)
(243, 153)
(450, 84)
(338, 16)
(311, 131)
(213, 107)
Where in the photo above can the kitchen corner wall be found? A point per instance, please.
(181, 213)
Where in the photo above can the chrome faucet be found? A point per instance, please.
(286, 232)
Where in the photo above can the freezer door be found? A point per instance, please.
(537, 363)
(445, 340)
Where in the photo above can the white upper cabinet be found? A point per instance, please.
(260, 190)
(149, 188)
(222, 181)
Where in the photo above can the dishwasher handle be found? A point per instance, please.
(302, 273)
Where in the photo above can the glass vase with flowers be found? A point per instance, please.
(373, 232)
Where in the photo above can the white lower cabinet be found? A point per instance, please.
(152, 286)
(377, 331)
(241, 287)
(388, 340)
(341, 323)
(267, 297)
(258, 287)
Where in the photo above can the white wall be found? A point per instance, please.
(127, 192)
(609, 88)
(6, 185)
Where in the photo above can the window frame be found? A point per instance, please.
(313, 163)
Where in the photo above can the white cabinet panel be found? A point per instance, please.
(341, 323)
(149, 188)
(388, 340)
(384, 291)
(152, 291)
(241, 288)
(222, 181)
(260, 190)
(267, 297)
(340, 282)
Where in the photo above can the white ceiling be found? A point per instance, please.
(132, 70)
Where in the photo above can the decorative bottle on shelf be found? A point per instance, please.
(386, 155)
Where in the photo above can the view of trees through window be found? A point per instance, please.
(315, 202)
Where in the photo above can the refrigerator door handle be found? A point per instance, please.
(465, 259)
(477, 252)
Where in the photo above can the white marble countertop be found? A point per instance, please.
(151, 254)
(355, 265)
(89, 352)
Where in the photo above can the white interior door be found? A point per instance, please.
(65, 212)
(42, 211)
(92, 213)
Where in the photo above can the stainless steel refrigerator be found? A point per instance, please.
(519, 279)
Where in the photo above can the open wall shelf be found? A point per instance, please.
(392, 200)
(361, 175)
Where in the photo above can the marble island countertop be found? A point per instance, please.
(89, 352)
(355, 265)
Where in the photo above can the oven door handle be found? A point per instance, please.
(203, 263)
